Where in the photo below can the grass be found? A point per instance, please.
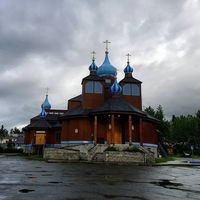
(196, 156)
(164, 159)
(34, 157)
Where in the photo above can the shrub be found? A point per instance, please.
(111, 149)
(132, 149)
(196, 152)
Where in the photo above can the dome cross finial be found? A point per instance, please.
(106, 42)
(47, 90)
(128, 56)
(93, 55)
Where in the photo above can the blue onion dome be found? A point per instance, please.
(46, 104)
(93, 66)
(116, 88)
(128, 69)
(43, 114)
(106, 69)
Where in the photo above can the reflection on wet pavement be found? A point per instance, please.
(22, 179)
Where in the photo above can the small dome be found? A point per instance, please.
(43, 114)
(106, 69)
(46, 104)
(93, 66)
(128, 69)
(116, 88)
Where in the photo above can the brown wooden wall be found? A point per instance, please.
(29, 136)
(83, 125)
(149, 133)
(91, 101)
(73, 104)
(136, 101)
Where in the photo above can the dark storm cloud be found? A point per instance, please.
(48, 43)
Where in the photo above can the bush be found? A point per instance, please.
(1, 149)
(196, 152)
(9, 150)
(111, 149)
(132, 149)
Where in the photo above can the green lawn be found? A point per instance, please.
(164, 159)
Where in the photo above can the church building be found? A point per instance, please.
(106, 112)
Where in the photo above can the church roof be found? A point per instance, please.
(77, 98)
(92, 77)
(38, 123)
(78, 112)
(117, 105)
(42, 123)
(130, 80)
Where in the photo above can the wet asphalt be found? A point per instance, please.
(22, 179)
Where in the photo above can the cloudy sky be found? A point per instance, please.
(47, 43)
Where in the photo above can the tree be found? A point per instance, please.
(150, 111)
(15, 131)
(159, 114)
(3, 132)
(198, 114)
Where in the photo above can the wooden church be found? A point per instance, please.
(106, 112)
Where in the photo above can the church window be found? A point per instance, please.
(97, 87)
(93, 87)
(135, 90)
(131, 90)
(89, 87)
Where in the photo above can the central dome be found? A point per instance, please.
(106, 69)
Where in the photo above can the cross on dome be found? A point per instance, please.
(128, 56)
(47, 90)
(106, 42)
(93, 55)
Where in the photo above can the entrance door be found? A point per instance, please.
(118, 131)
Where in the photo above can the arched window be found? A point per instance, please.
(93, 87)
(131, 90)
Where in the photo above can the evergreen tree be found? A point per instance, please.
(150, 111)
(3, 132)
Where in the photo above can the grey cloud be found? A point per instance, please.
(48, 43)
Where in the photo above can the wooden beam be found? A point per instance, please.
(130, 129)
(95, 129)
(141, 135)
(113, 128)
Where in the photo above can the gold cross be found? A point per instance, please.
(93, 55)
(128, 55)
(106, 42)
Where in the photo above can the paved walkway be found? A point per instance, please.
(182, 162)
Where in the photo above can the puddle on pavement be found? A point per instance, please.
(54, 182)
(166, 183)
(26, 190)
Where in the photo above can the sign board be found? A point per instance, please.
(40, 139)
(40, 131)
